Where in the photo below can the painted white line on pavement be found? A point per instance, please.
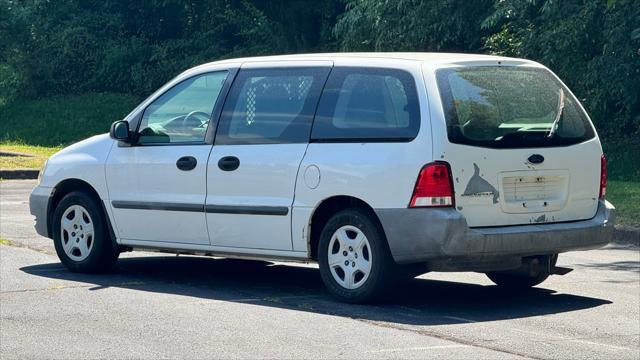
(434, 347)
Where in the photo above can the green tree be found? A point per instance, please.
(76, 46)
(63, 47)
(590, 44)
(412, 25)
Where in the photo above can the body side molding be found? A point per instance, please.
(219, 209)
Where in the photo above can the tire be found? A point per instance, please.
(533, 272)
(83, 243)
(349, 278)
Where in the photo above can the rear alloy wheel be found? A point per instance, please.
(80, 234)
(349, 257)
(355, 263)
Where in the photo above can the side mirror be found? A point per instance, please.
(120, 131)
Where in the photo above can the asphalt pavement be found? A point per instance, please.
(160, 306)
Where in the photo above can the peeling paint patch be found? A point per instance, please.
(479, 186)
(541, 218)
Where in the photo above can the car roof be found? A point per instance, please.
(427, 57)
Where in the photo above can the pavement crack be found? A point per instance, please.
(5, 242)
(448, 338)
(51, 288)
(591, 341)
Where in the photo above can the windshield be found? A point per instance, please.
(510, 107)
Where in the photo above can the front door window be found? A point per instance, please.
(182, 114)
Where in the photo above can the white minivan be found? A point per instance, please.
(374, 165)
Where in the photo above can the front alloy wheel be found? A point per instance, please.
(76, 232)
(81, 234)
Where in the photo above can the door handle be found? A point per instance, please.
(229, 163)
(186, 163)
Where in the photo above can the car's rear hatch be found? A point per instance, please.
(508, 166)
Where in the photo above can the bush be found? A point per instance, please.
(62, 120)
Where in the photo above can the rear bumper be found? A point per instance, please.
(38, 206)
(424, 235)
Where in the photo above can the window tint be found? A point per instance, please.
(368, 104)
(271, 106)
(509, 107)
(182, 113)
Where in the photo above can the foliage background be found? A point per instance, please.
(90, 61)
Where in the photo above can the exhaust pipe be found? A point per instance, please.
(537, 265)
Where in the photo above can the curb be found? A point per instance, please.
(19, 174)
(626, 235)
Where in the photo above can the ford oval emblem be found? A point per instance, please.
(536, 159)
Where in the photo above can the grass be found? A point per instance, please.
(57, 121)
(625, 196)
(623, 162)
(623, 170)
(42, 127)
(40, 154)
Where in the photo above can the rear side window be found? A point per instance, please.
(367, 104)
(271, 106)
(510, 107)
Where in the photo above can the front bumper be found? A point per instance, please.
(424, 235)
(38, 206)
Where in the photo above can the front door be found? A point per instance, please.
(261, 140)
(157, 186)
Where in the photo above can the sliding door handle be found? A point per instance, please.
(229, 163)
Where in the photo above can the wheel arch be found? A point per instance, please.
(67, 186)
(329, 206)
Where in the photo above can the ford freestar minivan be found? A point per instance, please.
(375, 166)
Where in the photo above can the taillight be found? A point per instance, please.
(603, 176)
(434, 186)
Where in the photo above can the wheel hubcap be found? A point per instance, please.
(76, 232)
(349, 257)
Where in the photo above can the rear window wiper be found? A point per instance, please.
(556, 121)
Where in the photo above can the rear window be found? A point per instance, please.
(509, 107)
(367, 104)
